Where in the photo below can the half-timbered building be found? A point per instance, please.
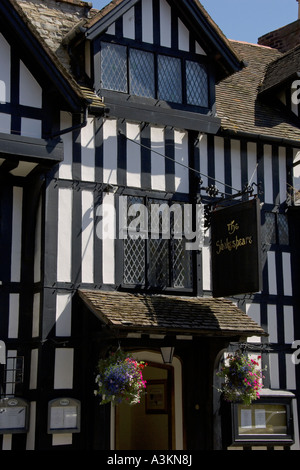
(103, 115)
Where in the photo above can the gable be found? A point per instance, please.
(159, 60)
(36, 55)
(181, 24)
(153, 24)
(18, 88)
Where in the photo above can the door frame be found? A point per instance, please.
(155, 357)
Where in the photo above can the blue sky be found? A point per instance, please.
(245, 20)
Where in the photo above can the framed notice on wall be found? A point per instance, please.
(156, 396)
(14, 415)
(64, 416)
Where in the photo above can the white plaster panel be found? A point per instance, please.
(236, 165)
(88, 151)
(63, 314)
(182, 159)
(63, 368)
(268, 174)
(165, 24)
(272, 323)
(219, 164)
(31, 128)
(252, 162)
(108, 239)
(64, 235)
(287, 274)
(288, 317)
(110, 151)
(16, 246)
(36, 315)
(30, 90)
(5, 123)
(129, 24)
(147, 21)
(272, 273)
(282, 175)
(157, 159)
(183, 37)
(33, 369)
(13, 319)
(87, 240)
(65, 167)
(203, 157)
(133, 155)
(4, 70)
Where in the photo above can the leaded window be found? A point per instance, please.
(114, 67)
(275, 229)
(153, 75)
(196, 84)
(169, 79)
(141, 72)
(154, 252)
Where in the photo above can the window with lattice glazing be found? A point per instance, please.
(275, 229)
(154, 251)
(154, 75)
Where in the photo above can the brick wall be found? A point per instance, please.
(283, 39)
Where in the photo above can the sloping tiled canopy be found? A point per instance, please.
(170, 314)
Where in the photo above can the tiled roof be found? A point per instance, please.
(49, 26)
(166, 313)
(286, 67)
(242, 110)
(53, 20)
(239, 101)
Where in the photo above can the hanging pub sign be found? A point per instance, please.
(235, 236)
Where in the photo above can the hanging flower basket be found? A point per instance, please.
(119, 379)
(243, 379)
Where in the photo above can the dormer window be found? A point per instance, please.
(154, 75)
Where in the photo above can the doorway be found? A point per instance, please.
(151, 424)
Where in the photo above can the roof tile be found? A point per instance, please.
(197, 315)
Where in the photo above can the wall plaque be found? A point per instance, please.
(64, 416)
(14, 415)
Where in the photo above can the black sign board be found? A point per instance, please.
(235, 236)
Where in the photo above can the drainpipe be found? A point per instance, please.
(71, 129)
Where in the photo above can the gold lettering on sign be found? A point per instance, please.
(234, 243)
(232, 227)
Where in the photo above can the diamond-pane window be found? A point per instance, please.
(158, 273)
(114, 67)
(153, 75)
(153, 259)
(134, 261)
(270, 228)
(169, 79)
(283, 229)
(276, 229)
(141, 72)
(182, 265)
(196, 84)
